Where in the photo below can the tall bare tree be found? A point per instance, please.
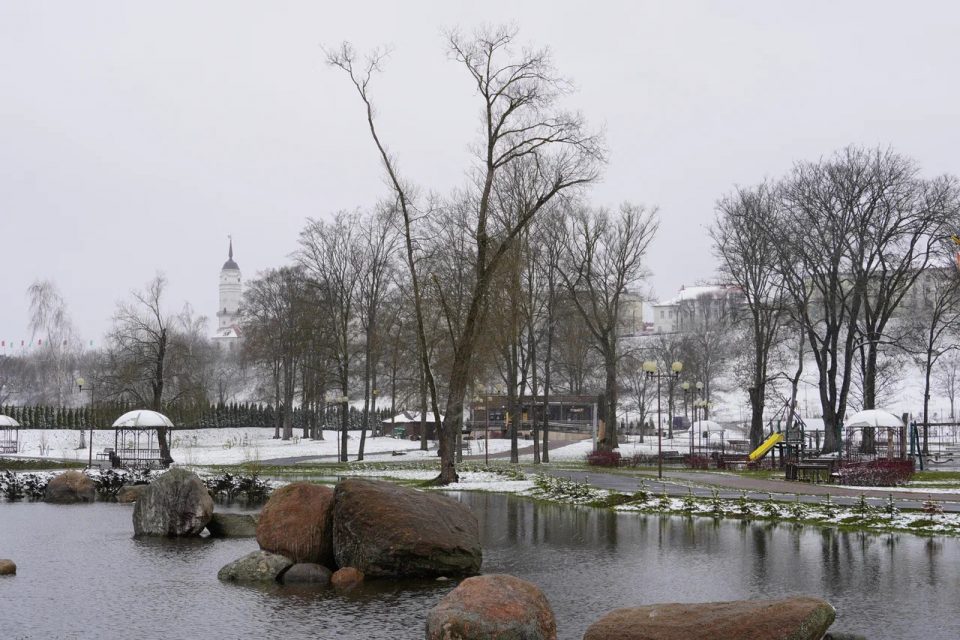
(328, 251)
(149, 358)
(748, 257)
(373, 262)
(523, 128)
(603, 257)
(933, 326)
(275, 325)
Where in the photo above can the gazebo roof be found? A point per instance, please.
(7, 421)
(144, 419)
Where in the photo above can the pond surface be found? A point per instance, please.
(82, 575)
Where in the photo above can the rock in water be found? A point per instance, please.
(256, 566)
(386, 530)
(490, 607)
(308, 573)
(800, 618)
(130, 492)
(70, 487)
(297, 522)
(7, 567)
(176, 504)
(232, 525)
(346, 578)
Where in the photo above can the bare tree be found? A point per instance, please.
(748, 257)
(274, 323)
(948, 379)
(329, 253)
(148, 358)
(604, 256)
(373, 262)
(521, 126)
(820, 229)
(933, 325)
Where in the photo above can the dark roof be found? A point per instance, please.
(230, 264)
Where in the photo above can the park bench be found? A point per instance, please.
(105, 454)
(813, 471)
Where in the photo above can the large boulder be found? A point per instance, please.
(490, 607)
(232, 525)
(7, 567)
(256, 566)
(799, 618)
(308, 573)
(175, 504)
(70, 487)
(386, 530)
(297, 522)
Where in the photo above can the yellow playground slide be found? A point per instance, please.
(768, 444)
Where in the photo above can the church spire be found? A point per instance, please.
(230, 264)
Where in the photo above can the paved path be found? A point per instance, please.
(704, 483)
(728, 485)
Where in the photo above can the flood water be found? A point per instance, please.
(82, 575)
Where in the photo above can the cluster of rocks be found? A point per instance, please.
(313, 534)
(504, 606)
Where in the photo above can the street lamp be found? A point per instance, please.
(80, 384)
(376, 425)
(651, 370)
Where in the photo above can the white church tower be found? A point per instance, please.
(228, 313)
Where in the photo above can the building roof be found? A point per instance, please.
(692, 293)
(230, 264)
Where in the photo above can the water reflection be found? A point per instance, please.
(588, 561)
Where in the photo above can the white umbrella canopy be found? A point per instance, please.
(873, 418)
(143, 418)
(7, 421)
(707, 425)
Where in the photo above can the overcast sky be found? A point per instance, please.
(134, 136)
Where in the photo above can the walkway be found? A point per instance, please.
(729, 485)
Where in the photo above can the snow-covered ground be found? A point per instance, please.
(235, 446)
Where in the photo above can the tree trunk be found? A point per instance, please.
(928, 365)
(423, 411)
(611, 438)
(366, 391)
(289, 387)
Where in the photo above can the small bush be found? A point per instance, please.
(876, 473)
(603, 458)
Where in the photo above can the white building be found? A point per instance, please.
(694, 305)
(228, 313)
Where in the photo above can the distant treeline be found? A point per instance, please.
(234, 414)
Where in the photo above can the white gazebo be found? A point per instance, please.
(9, 434)
(135, 443)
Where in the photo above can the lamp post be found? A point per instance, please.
(376, 425)
(686, 393)
(651, 370)
(699, 402)
(80, 384)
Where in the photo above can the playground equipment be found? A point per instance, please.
(766, 446)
